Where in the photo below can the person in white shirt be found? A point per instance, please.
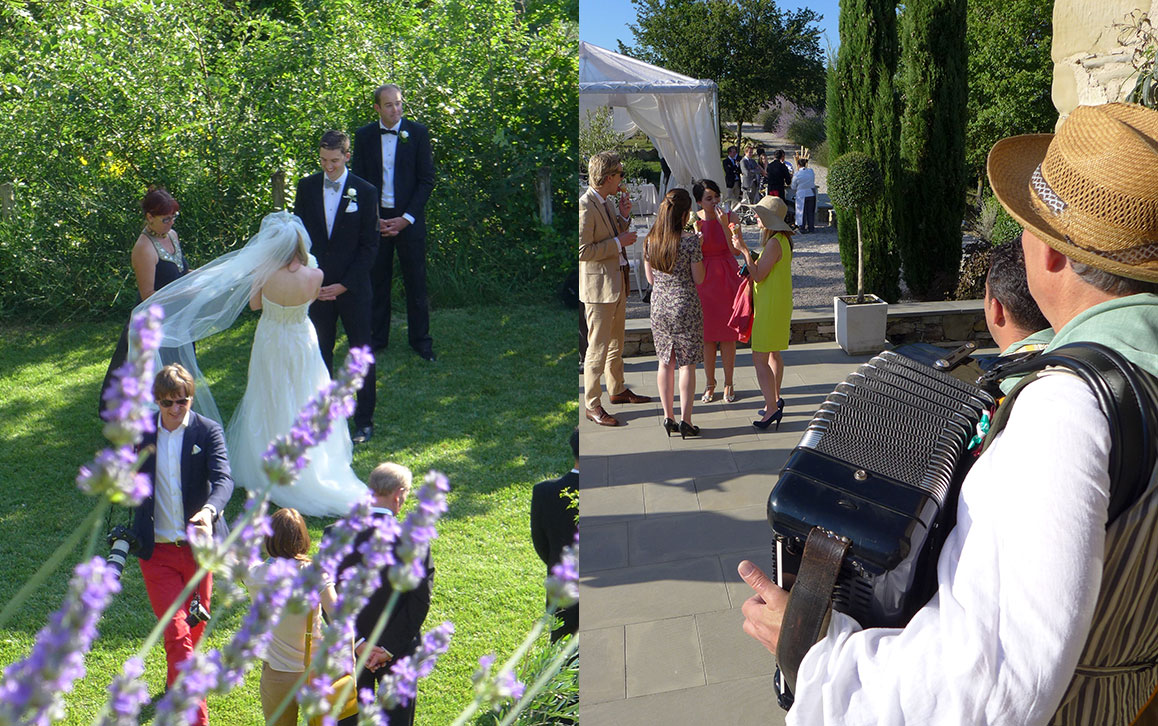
(1044, 607)
(804, 189)
(192, 484)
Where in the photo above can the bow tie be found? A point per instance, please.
(387, 131)
(327, 184)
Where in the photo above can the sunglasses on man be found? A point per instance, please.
(166, 403)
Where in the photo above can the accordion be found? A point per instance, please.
(879, 468)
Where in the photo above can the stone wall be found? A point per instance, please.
(948, 323)
(1091, 64)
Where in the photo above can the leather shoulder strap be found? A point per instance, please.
(809, 600)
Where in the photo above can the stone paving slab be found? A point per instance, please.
(607, 681)
(728, 653)
(663, 655)
(626, 595)
(747, 702)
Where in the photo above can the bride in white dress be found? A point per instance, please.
(272, 273)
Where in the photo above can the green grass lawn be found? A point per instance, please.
(494, 414)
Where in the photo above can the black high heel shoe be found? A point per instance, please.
(686, 430)
(779, 407)
(774, 418)
(670, 426)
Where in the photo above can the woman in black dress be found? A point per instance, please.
(157, 261)
(675, 265)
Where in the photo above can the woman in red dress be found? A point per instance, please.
(721, 280)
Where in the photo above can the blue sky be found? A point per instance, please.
(603, 22)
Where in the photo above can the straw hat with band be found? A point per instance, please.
(771, 211)
(1090, 191)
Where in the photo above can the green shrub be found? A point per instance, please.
(768, 119)
(821, 155)
(807, 131)
(854, 181)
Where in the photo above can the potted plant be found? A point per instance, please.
(854, 181)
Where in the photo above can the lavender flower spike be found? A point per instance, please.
(286, 456)
(418, 531)
(563, 582)
(127, 412)
(490, 691)
(32, 690)
(400, 686)
(127, 695)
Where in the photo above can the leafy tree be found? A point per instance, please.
(932, 201)
(863, 116)
(211, 99)
(750, 48)
(854, 183)
(1010, 74)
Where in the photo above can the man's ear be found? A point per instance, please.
(1054, 260)
(998, 311)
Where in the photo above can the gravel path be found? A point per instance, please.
(817, 275)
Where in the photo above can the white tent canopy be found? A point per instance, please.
(677, 113)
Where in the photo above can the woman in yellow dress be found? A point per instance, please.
(772, 305)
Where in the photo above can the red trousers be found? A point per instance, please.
(166, 574)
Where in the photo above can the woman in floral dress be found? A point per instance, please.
(674, 265)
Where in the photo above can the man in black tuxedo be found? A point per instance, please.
(390, 484)
(189, 469)
(393, 154)
(554, 523)
(339, 212)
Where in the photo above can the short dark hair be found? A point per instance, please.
(335, 141)
(1007, 285)
(732, 148)
(575, 442)
(699, 186)
(159, 202)
(780, 154)
(383, 88)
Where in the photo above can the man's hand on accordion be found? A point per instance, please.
(764, 611)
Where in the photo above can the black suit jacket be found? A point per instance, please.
(778, 176)
(205, 479)
(404, 626)
(553, 523)
(731, 171)
(346, 255)
(413, 166)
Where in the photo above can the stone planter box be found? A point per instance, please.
(860, 328)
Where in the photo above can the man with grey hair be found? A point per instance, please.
(604, 284)
(390, 484)
(1044, 609)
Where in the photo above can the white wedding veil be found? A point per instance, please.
(209, 299)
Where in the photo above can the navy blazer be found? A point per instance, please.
(413, 166)
(205, 479)
(346, 254)
(404, 625)
(731, 171)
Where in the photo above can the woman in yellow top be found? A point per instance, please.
(772, 305)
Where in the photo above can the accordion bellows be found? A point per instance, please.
(880, 464)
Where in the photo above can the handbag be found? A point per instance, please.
(350, 705)
(741, 318)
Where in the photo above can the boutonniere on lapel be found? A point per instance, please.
(352, 198)
(404, 136)
(196, 449)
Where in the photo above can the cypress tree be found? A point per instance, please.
(931, 202)
(863, 116)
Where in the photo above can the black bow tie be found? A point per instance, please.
(387, 131)
(327, 184)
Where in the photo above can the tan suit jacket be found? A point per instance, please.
(600, 279)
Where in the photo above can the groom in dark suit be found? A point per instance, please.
(393, 154)
(340, 213)
(390, 484)
(189, 469)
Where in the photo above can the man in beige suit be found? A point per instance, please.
(603, 284)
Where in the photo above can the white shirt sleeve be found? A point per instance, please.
(1018, 580)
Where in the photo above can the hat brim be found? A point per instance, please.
(1010, 166)
(770, 220)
